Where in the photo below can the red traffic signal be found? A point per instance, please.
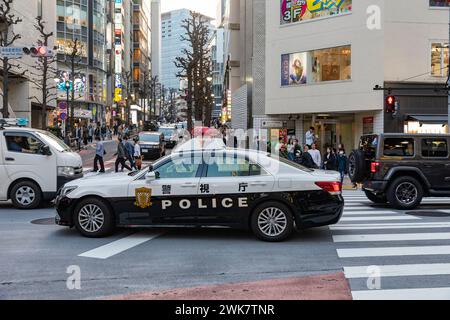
(37, 52)
(390, 104)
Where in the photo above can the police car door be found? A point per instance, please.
(173, 195)
(227, 187)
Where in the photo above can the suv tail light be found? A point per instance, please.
(333, 187)
(374, 167)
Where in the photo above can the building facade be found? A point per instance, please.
(172, 46)
(25, 99)
(156, 38)
(323, 63)
(86, 22)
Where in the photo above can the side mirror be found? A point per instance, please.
(45, 150)
(150, 176)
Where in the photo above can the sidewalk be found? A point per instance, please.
(348, 185)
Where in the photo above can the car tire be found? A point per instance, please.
(267, 229)
(405, 193)
(356, 168)
(102, 221)
(375, 198)
(26, 195)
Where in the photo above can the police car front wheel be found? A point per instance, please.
(93, 218)
(272, 221)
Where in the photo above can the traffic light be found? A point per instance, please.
(390, 104)
(38, 52)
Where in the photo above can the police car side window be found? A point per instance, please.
(177, 169)
(233, 168)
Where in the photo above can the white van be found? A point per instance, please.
(34, 164)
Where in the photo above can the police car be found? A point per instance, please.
(221, 188)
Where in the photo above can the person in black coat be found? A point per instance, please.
(306, 159)
(329, 160)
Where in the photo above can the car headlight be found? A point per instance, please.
(66, 171)
(66, 190)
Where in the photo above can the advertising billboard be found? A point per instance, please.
(294, 68)
(300, 10)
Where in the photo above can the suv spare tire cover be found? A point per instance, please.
(357, 169)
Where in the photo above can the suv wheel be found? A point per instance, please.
(26, 195)
(272, 221)
(405, 193)
(357, 170)
(375, 198)
(93, 218)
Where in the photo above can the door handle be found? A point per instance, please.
(258, 183)
(189, 185)
(10, 159)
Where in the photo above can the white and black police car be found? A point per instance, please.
(221, 188)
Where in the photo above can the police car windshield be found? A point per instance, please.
(167, 131)
(54, 141)
(149, 138)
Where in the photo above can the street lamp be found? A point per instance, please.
(209, 79)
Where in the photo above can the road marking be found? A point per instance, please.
(121, 245)
(379, 218)
(369, 212)
(392, 237)
(393, 251)
(403, 294)
(375, 226)
(403, 270)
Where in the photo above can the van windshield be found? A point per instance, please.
(54, 141)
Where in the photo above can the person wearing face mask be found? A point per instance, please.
(342, 163)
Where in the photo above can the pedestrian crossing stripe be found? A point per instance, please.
(403, 294)
(392, 237)
(393, 251)
(370, 212)
(387, 226)
(401, 270)
(378, 218)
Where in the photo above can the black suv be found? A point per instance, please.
(401, 169)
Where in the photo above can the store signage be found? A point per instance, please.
(272, 124)
(368, 125)
(299, 10)
(83, 114)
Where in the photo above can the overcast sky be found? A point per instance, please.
(207, 7)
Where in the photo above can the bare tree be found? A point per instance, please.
(7, 20)
(195, 66)
(46, 71)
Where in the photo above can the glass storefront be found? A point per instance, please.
(331, 64)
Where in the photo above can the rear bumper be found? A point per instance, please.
(170, 144)
(151, 153)
(320, 211)
(375, 186)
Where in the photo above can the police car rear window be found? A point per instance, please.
(295, 165)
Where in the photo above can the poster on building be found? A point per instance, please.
(298, 10)
(79, 85)
(293, 69)
(368, 125)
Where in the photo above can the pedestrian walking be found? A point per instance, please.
(342, 161)
(85, 136)
(315, 154)
(137, 154)
(306, 159)
(121, 156)
(90, 134)
(99, 154)
(290, 149)
(310, 137)
(283, 152)
(329, 160)
(103, 132)
(97, 131)
(129, 149)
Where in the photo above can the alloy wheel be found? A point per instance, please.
(272, 221)
(91, 218)
(25, 195)
(406, 193)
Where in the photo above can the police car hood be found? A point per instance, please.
(102, 179)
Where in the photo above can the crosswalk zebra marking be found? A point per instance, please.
(392, 237)
(387, 226)
(379, 218)
(403, 294)
(402, 270)
(393, 251)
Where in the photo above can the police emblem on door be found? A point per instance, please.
(143, 198)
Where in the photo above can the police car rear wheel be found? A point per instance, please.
(272, 221)
(93, 218)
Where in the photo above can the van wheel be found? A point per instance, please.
(375, 198)
(93, 218)
(272, 222)
(405, 193)
(26, 195)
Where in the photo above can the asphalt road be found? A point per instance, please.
(412, 254)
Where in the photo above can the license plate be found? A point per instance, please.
(144, 150)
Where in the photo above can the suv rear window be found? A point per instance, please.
(369, 144)
(398, 147)
(434, 148)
